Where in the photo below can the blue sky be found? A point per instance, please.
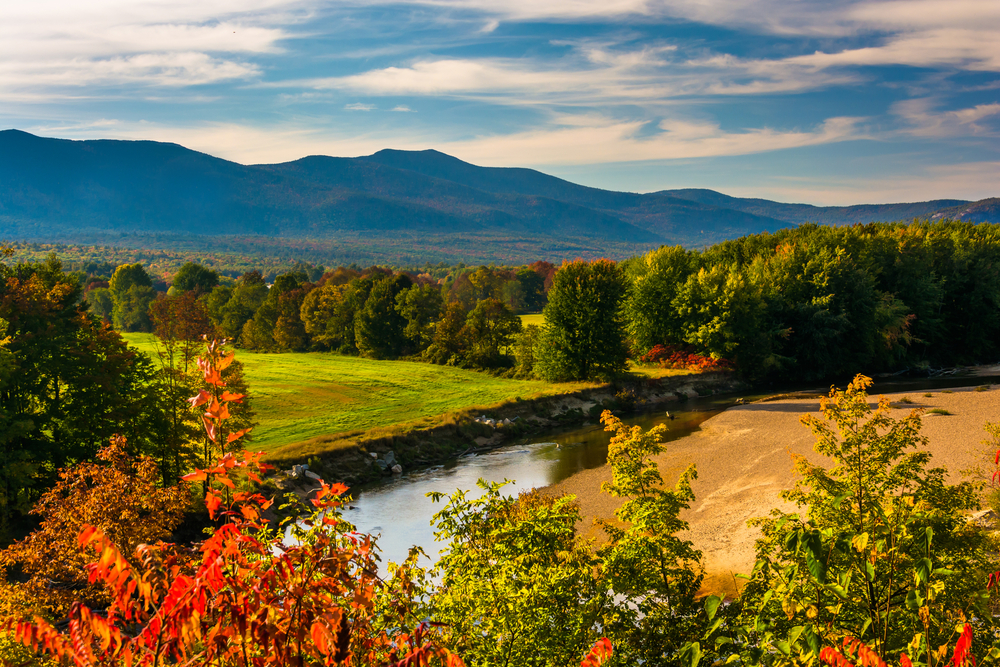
(830, 102)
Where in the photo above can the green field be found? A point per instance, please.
(298, 396)
(533, 318)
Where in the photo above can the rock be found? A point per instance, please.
(506, 422)
(374, 455)
(397, 469)
(382, 464)
(311, 475)
(390, 458)
(984, 518)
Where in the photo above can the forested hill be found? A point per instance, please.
(60, 188)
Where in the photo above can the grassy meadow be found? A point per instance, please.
(299, 396)
(533, 318)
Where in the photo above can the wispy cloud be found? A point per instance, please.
(922, 119)
(594, 140)
(359, 106)
(402, 108)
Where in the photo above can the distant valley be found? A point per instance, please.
(391, 205)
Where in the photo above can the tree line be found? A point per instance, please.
(802, 304)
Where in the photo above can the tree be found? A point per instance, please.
(246, 595)
(650, 311)
(532, 290)
(244, 302)
(451, 337)
(883, 552)
(517, 587)
(120, 496)
(318, 313)
(180, 324)
(653, 574)
(524, 350)
(492, 327)
(101, 303)
(584, 333)
(421, 306)
(131, 293)
(195, 278)
(72, 383)
(379, 328)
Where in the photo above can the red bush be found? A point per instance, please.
(671, 356)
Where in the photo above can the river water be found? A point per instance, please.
(398, 510)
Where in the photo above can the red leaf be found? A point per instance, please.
(196, 476)
(212, 502)
(236, 436)
(200, 399)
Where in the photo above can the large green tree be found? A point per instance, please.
(379, 327)
(492, 327)
(131, 293)
(196, 278)
(584, 334)
(67, 383)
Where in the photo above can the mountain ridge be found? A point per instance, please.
(57, 187)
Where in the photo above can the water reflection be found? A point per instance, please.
(398, 509)
(400, 512)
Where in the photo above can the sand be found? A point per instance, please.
(744, 460)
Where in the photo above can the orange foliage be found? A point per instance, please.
(243, 596)
(120, 496)
(670, 356)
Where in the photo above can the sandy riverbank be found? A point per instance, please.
(744, 459)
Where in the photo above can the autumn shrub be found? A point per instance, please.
(672, 356)
(121, 496)
(245, 595)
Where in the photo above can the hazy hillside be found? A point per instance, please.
(56, 189)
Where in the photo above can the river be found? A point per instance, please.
(398, 510)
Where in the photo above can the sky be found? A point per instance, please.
(823, 102)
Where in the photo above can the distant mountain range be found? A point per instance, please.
(53, 188)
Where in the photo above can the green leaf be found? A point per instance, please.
(712, 603)
(922, 568)
(712, 628)
(795, 633)
(817, 568)
(813, 640)
(914, 600)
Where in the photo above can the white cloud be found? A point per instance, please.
(359, 106)
(970, 180)
(922, 120)
(568, 140)
(591, 76)
(402, 108)
(53, 43)
(164, 69)
(601, 141)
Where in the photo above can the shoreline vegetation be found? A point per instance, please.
(374, 391)
(746, 455)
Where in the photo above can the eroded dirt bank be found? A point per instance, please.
(744, 457)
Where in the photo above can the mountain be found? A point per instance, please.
(832, 215)
(56, 188)
(984, 210)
